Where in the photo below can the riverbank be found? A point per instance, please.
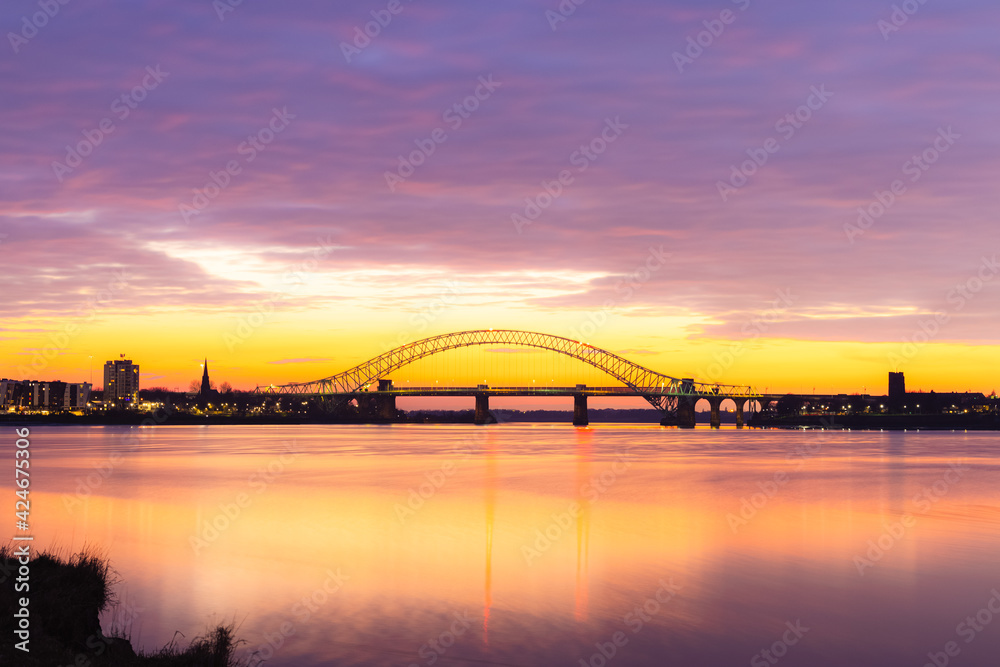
(178, 417)
(65, 598)
(186, 419)
(861, 422)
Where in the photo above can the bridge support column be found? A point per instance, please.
(580, 410)
(385, 405)
(715, 403)
(483, 415)
(739, 412)
(685, 404)
(685, 411)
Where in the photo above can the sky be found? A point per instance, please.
(783, 194)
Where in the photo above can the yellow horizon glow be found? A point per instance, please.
(169, 349)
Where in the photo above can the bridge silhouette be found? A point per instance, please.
(368, 383)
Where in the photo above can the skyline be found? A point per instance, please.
(574, 177)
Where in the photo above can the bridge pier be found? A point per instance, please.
(685, 411)
(739, 412)
(685, 404)
(715, 402)
(580, 410)
(483, 415)
(385, 406)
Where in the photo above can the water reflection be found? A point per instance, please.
(584, 440)
(490, 491)
(428, 536)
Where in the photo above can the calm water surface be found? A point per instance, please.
(540, 544)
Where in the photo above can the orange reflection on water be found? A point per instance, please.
(584, 438)
(411, 540)
(490, 492)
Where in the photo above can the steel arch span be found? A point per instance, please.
(662, 391)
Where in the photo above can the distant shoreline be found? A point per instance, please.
(860, 422)
(857, 422)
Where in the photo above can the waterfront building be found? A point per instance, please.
(121, 383)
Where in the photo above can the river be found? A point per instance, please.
(520, 544)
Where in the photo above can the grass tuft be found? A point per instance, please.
(67, 594)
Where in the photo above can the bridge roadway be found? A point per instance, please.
(384, 399)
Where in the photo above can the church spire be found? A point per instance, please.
(206, 386)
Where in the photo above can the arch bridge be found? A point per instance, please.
(674, 397)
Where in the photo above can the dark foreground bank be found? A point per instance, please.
(65, 599)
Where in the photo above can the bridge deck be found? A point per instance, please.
(521, 391)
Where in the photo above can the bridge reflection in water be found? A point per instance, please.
(583, 455)
(490, 494)
(368, 383)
